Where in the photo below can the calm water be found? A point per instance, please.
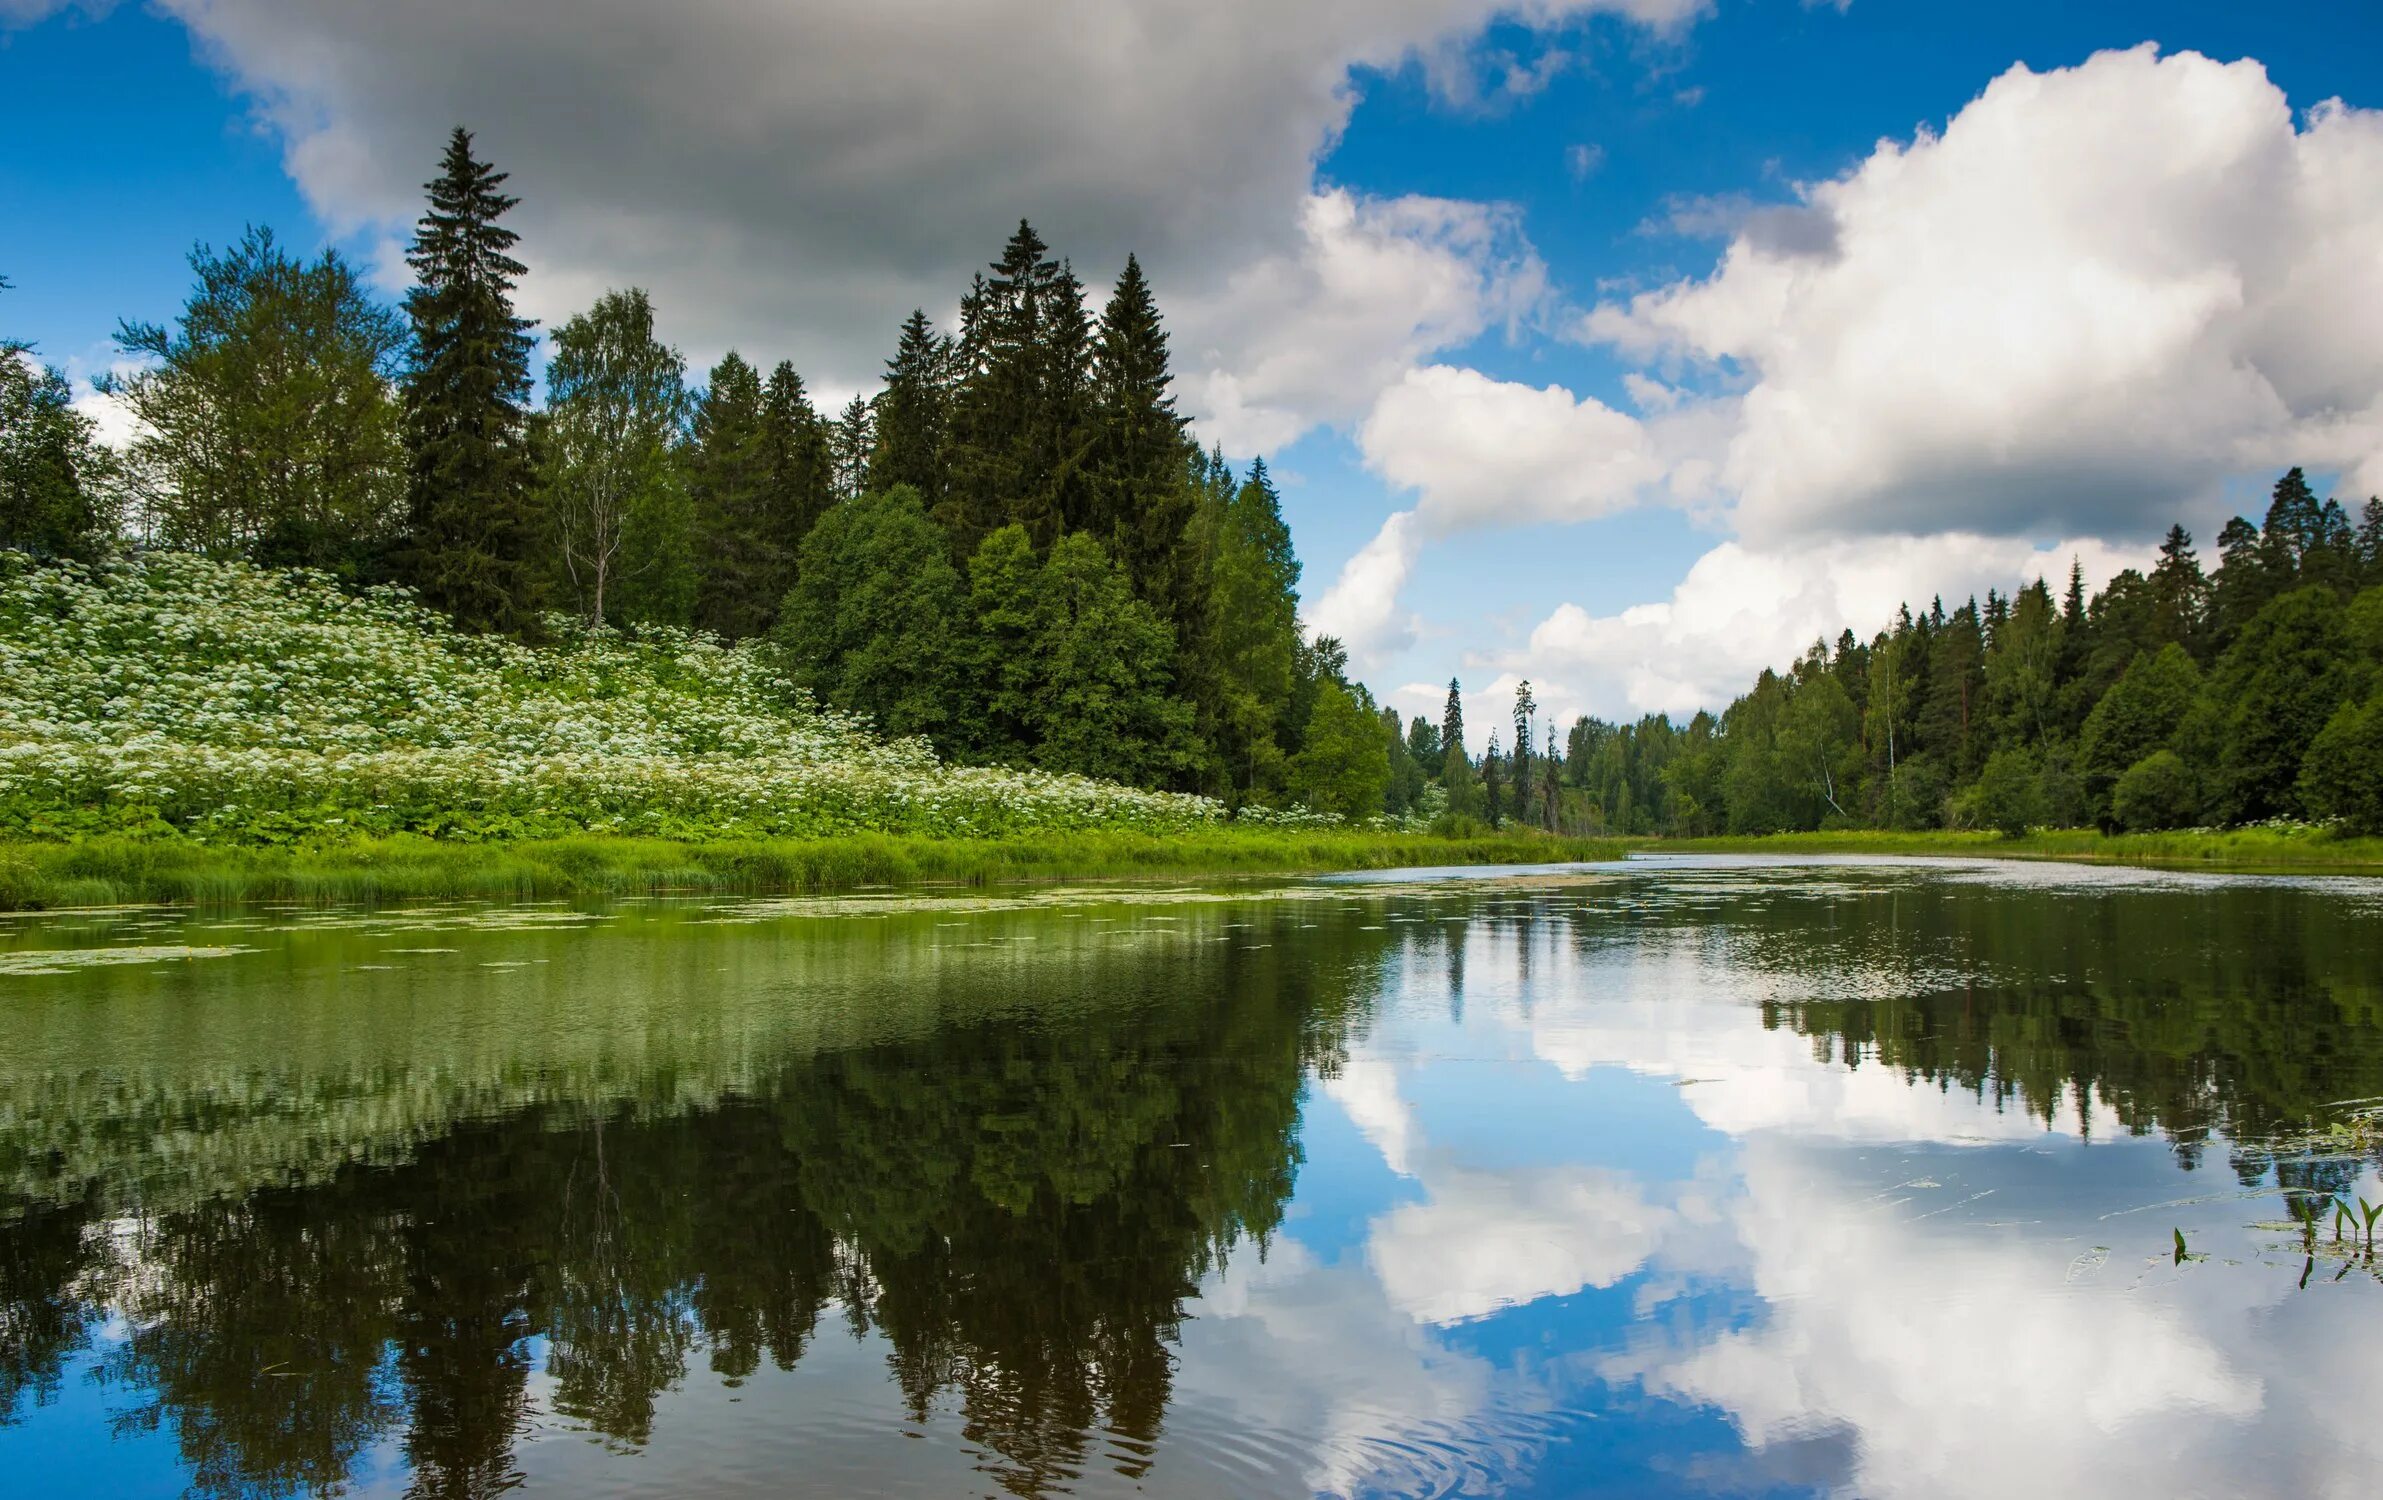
(1717, 1177)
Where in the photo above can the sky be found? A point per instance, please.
(1628, 346)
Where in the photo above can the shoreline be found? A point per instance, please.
(39, 876)
(2238, 850)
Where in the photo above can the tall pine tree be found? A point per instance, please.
(470, 476)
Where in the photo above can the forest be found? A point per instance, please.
(1015, 551)
(2240, 694)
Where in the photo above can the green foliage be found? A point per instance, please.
(1102, 705)
(914, 414)
(1249, 639)
(615, 498)
(470, 478)
(874, 616)
(1136, 490)
(1343, 768)
(1021, 423)
(2343, 775)
(2237, 675)
(2159, 791)
(2141, 713)
(2007, 796)
(57, 485)
(2270, 695)
(267, 428)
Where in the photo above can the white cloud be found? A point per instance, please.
(1742, 608)
(1310, 335)
(794, 178)
(1477, 450)
(1490, 1240)
(2096, 294)
(1582, 160)
(1955, 1360)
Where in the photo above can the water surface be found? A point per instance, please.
(1713, 1176)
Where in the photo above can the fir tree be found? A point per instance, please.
(469, 472)
(2179, 592)
(1020, 418)
(728, 487)
(850, 442)
(798, 453)
(914, 413)
(1524, 707)
(1456, 767)
(1137, 493)
(1493, 783)
(2368, 544)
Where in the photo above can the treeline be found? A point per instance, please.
(2177, 698)
(1014, 547)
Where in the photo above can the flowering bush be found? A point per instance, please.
(175, 696)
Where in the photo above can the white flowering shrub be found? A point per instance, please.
(172, 695)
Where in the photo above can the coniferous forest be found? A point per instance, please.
(2186, 697)
(1016, 550)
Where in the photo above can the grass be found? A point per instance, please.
(367, 871)
(2256, 848)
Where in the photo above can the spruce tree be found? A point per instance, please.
(914, 413)
(2179, 592)
(1493, 783)
(1456, 767)
(727, 478)
(1138, 496)
(1020, 418)
(796, 452)
(2370, 542)
(470, 477)
(850, 442)
(1524, 707)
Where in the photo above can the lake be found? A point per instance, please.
(1750, 1178)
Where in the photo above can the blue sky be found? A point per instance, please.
(1399, 246)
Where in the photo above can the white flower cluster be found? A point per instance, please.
(169, 693)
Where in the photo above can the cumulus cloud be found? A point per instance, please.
(794, 178)
(1489, 1240)
(1310, 334)
(1362, 609)
(2097, 293)
(1956, 1361)
(1477, 450)
(1741, 608)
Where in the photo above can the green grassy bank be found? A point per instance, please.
(2252, 849)
(103, 871)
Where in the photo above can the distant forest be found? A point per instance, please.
(1015, 549)
(2181, 698)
